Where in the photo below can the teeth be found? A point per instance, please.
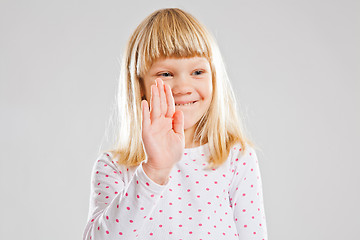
(184, 104)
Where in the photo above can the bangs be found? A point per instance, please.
(170, 34)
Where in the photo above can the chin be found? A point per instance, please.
(188, 125)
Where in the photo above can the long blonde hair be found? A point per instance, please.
(173, 32)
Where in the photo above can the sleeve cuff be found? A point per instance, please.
(148, 183)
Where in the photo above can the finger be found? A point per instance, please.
(162, 97)
(154, 104)
(170, 101)
(145, 114)
(178, 123)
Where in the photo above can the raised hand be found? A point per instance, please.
(162, 132)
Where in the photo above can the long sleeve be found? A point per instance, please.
(119, 209)
(246, 197)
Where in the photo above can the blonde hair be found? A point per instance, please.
(173, 32)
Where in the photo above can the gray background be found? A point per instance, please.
(294, 66)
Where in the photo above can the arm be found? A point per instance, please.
(117, 210)
(246, 197)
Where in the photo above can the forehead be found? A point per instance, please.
(175, 61)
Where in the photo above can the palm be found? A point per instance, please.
(163, 129)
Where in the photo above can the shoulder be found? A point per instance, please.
(244, 149)
(105, 159)
(243, 154)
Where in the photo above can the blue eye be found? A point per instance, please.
(165, 74)
(198, 72)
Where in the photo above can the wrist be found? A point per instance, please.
(160, 176)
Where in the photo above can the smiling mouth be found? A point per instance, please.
(184, 105)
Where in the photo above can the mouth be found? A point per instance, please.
(186, 104)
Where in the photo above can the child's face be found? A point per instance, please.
(190, 80)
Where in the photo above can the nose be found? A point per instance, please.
(182, 85)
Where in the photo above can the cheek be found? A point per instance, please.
(208, 91)
(148, 92)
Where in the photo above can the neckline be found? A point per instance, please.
(196, 149)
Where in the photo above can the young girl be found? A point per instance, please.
(183, 169)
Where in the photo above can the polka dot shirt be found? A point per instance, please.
(196, 203)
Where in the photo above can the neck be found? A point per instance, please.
(189, 136)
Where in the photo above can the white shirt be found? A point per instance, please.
(226, 203)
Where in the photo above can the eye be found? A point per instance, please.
(198, 72)
(165, 74)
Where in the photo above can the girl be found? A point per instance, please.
(183, 169)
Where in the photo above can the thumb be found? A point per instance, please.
(178, 122)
